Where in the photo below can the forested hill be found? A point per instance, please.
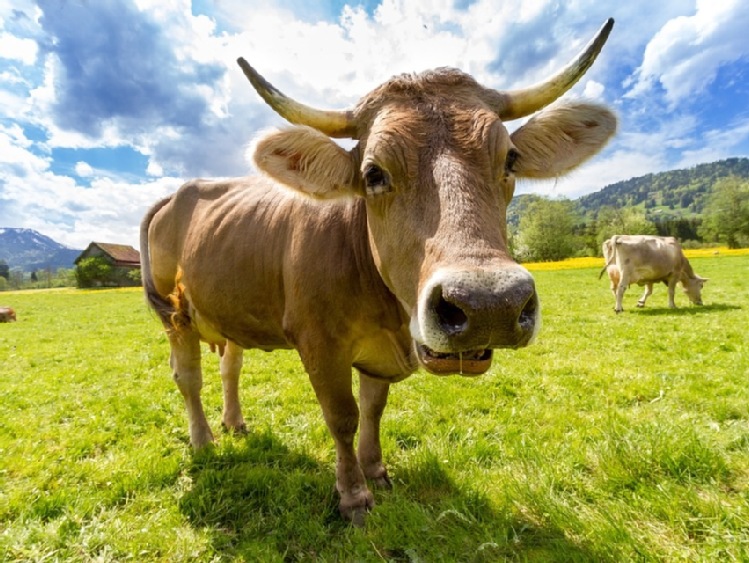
(676, 194)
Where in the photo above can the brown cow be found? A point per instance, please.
(645, 260)
(7, 315)
(407, 266)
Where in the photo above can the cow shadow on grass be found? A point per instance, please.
(686, 311)
(257, 500)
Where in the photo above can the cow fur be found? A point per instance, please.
(405, 263)
(645, 260)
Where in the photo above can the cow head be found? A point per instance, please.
(437, 168)
(693, 288)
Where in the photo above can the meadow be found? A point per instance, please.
(612, 438)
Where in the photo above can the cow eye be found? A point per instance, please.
(376, 180)
(511, 161)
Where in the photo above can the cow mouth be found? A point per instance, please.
(471, 362)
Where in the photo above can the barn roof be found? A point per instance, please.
(121, 254)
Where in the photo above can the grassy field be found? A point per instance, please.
(613, 438)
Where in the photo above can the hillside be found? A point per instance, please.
(676, 194)
(31, 250)
(665, 196)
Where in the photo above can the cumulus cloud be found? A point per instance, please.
(127, 73)
(160, 78)
(686, 54)
(84, 169)
(18, 48)
(34, 197)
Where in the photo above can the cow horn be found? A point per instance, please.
(515, 104)
(339, 124)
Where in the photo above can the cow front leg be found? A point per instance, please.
(373, 396)
(187, 374)
(671, 291)
(648, 293)
(231, 367)
(332, 384)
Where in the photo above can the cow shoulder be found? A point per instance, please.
(304, 159)
(561, 138)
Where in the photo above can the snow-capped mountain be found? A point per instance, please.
(30, 250)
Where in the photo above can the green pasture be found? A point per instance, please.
(612, 438)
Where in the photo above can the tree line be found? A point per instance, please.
(89, 272)
(546, 229)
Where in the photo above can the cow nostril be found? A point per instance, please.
(527, 318)
(452, 319)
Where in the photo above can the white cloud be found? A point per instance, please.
(685, 55)
(84, 169)
(593, 90)
(601, 171)
(154, 169)
(18, 49)
(107, 211)
(716, 144)
(177, 96)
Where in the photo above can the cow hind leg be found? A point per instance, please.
(331, 380)
(373, 395)
(648, 293)
(620, 295)
(231, 367)
(187, 374)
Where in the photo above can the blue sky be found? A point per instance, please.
(108, 105)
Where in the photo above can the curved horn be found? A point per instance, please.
(339, 124)
(515, 104)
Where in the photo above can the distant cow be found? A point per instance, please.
(405, 264)
(7, 315)
(645, 260)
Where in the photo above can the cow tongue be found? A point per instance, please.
(472, 362)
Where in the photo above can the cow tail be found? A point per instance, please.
(172, 310)
(612, 259)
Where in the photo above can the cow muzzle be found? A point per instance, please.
(463, 315)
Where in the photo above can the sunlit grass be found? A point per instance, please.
(612, 438)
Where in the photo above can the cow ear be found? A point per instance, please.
(304, 159)
(561, 138)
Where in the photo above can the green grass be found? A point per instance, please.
(612, 438)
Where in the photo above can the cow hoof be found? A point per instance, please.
(378, 475)
(201, 439)
(235, 429)
(640, 305)
(383, 482)
(356, 509)
(617, 311)
(359, 517)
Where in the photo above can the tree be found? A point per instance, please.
(547, 231)
(622, 221)
(726, 215)
(134, 276)
(92, 271)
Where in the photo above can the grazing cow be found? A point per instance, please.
(7, 315)
(406, 264)
(645, 260)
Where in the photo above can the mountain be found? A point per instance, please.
(666, 197)
(31, 251)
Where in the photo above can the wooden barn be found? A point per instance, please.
(117, 265)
